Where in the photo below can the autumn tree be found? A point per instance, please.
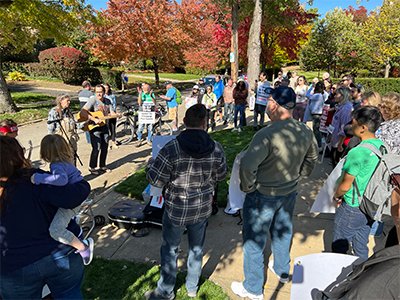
(23, 23)
(144, 29)
(360, 14)
(381, 33)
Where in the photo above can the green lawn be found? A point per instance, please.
(44, 78)
(233, 143)
(176, 76)
(32, 106)
(118, 279)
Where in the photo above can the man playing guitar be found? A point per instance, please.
(99, 135)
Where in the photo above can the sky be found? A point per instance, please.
(322, 5)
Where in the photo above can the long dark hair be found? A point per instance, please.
(12, 160)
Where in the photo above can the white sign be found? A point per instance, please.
(147, 117)
(232, 57)
(190, 101)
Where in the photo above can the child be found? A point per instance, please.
(351, 225)
(9, 128)
(55, 150)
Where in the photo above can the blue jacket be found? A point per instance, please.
(26, 217)
(219, 89)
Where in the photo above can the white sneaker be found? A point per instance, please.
(234, 129)
(238, 289)
(192, 294)
(281, 279)
(239, 129)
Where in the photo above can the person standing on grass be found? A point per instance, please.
(229, 104)
(172, 105)
(240, 93)
(188, 168)
(218, 89)
(279, 154)
(261, 100)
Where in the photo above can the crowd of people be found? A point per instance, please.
(344, 120)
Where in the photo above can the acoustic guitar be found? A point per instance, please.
(90, 125)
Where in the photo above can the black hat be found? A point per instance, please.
(167, 82)
(284, 96)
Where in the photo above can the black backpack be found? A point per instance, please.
(376, 278)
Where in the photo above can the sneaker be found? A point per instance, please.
(87, 254)
(282, 279)
(238, 289)
(148, 142)
(156, 295)
(139, 144)
(192, 294)
(94, 171)
(234, 129)
(105, 170)
(239, 129)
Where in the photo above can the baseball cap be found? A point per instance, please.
(167, 82)
(196, 87)
(284, 96)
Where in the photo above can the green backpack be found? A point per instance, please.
(178, 96)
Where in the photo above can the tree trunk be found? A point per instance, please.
(254, 44)
(235, 40)
(156, 75)
(6, 103)
(387, 68)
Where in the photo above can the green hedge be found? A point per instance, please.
(380, 85)
(112, 77)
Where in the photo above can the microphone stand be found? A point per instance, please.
(76, 156)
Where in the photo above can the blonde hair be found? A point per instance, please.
(371, 98)
(54, 148)
(390, 106)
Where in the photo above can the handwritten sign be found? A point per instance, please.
(190, 101)
(147, 117)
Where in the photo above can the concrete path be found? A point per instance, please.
(223, 260)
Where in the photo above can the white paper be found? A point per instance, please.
(160, 141)
(190, 101)
(147, 117)
(157, 201)
(317, 271)
(324, 202)
(235, 196)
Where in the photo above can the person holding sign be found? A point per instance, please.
(147, 101)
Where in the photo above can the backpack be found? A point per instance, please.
(376, 200)
(178, 96)
(376, 278)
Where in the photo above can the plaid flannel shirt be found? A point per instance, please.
(189, 181)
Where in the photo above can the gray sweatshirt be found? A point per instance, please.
(277, 156)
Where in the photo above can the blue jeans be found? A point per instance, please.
(263, 215)
(149, 131)
(62, 273)
(169, 253)
(239, 108)
(259, 110)
(228, 111)
(350, 226)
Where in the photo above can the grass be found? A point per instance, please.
(32, 106)
(118, 279)
(44, 78)
(232, 142)
(176, 76)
